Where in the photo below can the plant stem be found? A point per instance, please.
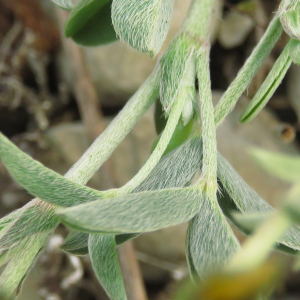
(83, 170)
(198, 19)
(160, 148)
(209, 169)
(197, 24)
(247, 72)
(257, 248)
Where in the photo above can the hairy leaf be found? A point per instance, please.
(104, 259)
(97, 30)
(175, 169)
(178, 72)
(36, 218)
(210, 241)
(139, 212)
(236, 194)
(41, 181)
(250, 222)
(20, 264)
(286, 167)
(76, 242)
(9, 218)
(143, 24)
(268, 87)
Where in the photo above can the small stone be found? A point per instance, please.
(235, 29)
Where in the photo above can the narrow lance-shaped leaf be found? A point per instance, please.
(289, 12)
(105, 263)
(36, 218)
(175, 170)
(283, 166)
(135, 213)
(236, 194)
(143, 24)
(97, 28)
(177, 72)
(20, 264)
(41, 181)
(268, 87)
(210, 242)
(76, 242)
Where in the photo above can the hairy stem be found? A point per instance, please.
(160, 148)
(83, 170)
(247, 72)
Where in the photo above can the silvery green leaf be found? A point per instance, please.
(289, 13)
(76, 243)
(210, 241)
(9, 218)
(175, 169)
(104, 259)
(294, 51)
(268, 87)
(41, 181)
(97, 30)
(143, 24)
(65, 4)
(35, 218)
(286, 167)
(20, 264)
(250, 222)
(178, 72)
(135, 213)
(236, 194)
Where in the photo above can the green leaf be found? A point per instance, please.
(9, 218)
(176, 169)
(180, 135)
(250, 222)
(89, 23)
(294, 51)
(36, 217)
(210, 241)
(135, 213)
(97, 30)
(268, 87)
(143, 24)
(81, 14)
(41, 181)
(64, 4)
(20, 264)
(76, 243)
(178, 72)
(286, 167)
(290, 17)
(236, 195)
(104, 259)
